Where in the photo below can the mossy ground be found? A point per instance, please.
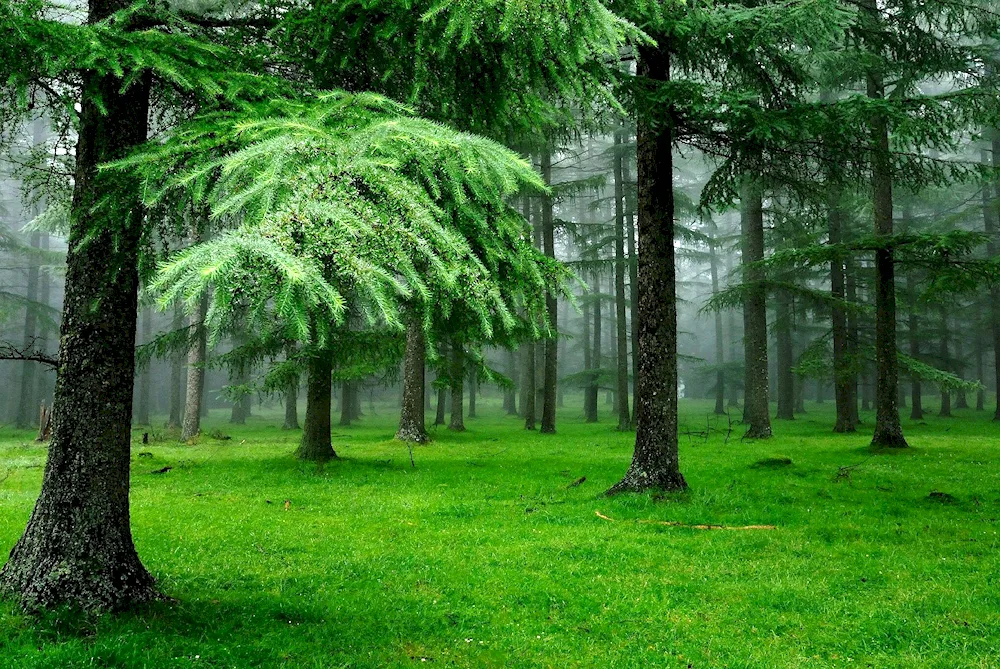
(484, 555)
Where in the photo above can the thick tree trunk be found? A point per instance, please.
(786, 381)
(176, 374)
(77, 548)
(621, 341)
(655, 461)
(888, 429)
(843, 375)
(317, 443)
(756, 413)
(27, 403)
(195, 391)
(411, 416)
(457, 376)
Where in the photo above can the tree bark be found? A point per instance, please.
(457, 376)
(843, 364)
(851, 288)
(655, 461)
(551, 371)
(593, 390)
(77, 548)
(621, 341)
(633, 276)
(510, 394)
(786, 382)
(411, 417)
(888, 429)
(347, 403)
(176, 374)
(756, 413)
(720, 374)
(317, 442)
(195, 393)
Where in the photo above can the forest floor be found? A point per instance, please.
(491, 552)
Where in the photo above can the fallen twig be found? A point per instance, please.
(677, 523)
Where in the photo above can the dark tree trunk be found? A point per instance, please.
(239, 377)
(756, 413)
(176, 374)
(851, 288)
(786, 381)
(621, 340)
(317, 443)
(720, 375)
(655, 462)
(411, 415)
(195, 391)
(473, 391)
(945, 356)
(633, 276)
(528, 384)
(843, 374)
(913, 325)
(77, 548)
(457, 376)
(551, 371)
(145, 376)
(510, 394)
(348, 406)
(991, 220)
(27, 403)
(291, 405)
(961, 401)
(593, 390)
(734, 396)
(888, 429)
(439, 412)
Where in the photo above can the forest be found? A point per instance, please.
(500, 333)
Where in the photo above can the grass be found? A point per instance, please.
(485, 555)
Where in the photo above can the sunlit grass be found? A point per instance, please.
(485, 555)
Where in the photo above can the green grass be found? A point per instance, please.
(485, 556)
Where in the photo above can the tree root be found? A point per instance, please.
(676, 523)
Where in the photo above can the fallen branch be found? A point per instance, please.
(677, 523)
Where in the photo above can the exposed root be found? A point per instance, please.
(676, 523)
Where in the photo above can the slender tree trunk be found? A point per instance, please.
(621, 339)
(528, 383)
(991, 220)
(843, 375)
(734, 396)
(291, 405)
(786, 382)
(44, 387)
(633, 275)
(317, 443)
(473, 391)
(77, 548)
(551, 344)
(176, 374)
(195, 392)
(655, 461)
(980, 370)
(945, 356)
(888, 429)
(720, 374)
(27, 404)
(239, 377)
(913, 326)
(457, 376)
(756, 413)
(411, 416)
(510, 394)
(145, 376)
(851, 288)
(596, 360)
(961, 401)
(348, 406)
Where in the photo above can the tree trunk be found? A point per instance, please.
(411, 415)
(27, 406)
(961, 401)
(851, 288)
(655, 462)
(473, 391)
(621, 340)
(888, 429)
(176, 374)
(756, 413)
(77, 548)
(291, 405)
(633, 276)
(145, 376)
(510, 394)
(551, 369)
(843, 364)
(980, 369)
(991, 220)
(734, 396)
(195, 393)
(944, 355)
(317, 443)
(528, 383)
(347, 403)
(593, 390)
(44, 387)
(720, 374)
(913, 326)
(786, 381)
(457, 376)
